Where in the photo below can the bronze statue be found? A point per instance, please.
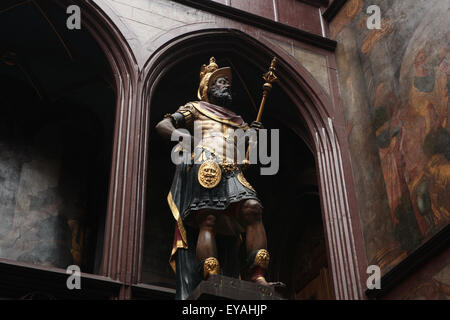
(210, 197)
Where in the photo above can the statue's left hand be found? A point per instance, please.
(256, 125)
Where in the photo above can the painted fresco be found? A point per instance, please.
(435, 288)
(430, 282)
(44, 200)
(395, 89)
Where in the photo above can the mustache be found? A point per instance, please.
(222, 91)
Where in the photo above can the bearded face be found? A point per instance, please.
(220, 93)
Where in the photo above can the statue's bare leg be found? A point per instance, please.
(206, 244)
(256, 241)
(251, 216)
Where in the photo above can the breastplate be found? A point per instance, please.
(216, 138)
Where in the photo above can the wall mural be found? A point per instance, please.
(395, 84)
(46, 206)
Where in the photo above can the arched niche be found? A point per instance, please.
(303, 113)
(66, 95)
(57, 130)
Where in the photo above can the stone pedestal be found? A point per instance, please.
(225, 288)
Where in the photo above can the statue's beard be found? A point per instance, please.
(221, 97)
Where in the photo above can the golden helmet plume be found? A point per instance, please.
(208, 74)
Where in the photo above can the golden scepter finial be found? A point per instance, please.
(270, 78)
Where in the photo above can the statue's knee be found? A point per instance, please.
(251, 212)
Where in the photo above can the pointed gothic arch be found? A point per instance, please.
(314, 108)
(122, 52)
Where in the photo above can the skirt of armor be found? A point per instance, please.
(191, 196)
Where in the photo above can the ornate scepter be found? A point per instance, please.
(270, 78)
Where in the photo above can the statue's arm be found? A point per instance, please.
(165, 129)
(170, 125)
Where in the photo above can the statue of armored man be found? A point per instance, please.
(216, 209)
